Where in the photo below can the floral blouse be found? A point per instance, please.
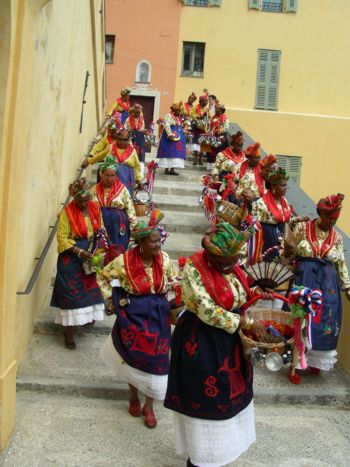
(116, 270)
(223, 164)
(335, 255)
(246, 182)
(170, 120)
(261, 212)
(128, 126)
(198, 301)
(123, 201)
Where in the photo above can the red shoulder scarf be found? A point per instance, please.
(121, 158)
(215, 283)
(77, 221)
(200, 111)
(188, 108)
(124, 105)
(133, 125)
(136, 273)
(236, 158)
(217, 122)
(257, 175)
(319, 251)
(280, 214)
(114, 191)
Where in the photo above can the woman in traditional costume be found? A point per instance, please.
(210, 381)
(248, 174)
(121, 105)
(135, 124)
(187, 109)
(102, 148)
(172, 145)
(320, 264)
(76, 294)
(227, 160)
(273, 211)
(201, 126)
(138, 347)
(116, 205)
(219, 125)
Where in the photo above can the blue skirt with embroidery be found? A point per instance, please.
(116, 222)
(126, 176)
(138, 140)
(320, 274)
(172, 149)
(73, 289)
(141, 332)
(208, 377)
(272, 236)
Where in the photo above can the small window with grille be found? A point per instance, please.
(193, 59)
(109, 48)
(292, 164)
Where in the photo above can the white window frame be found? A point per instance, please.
(137, 75)
(192, 72)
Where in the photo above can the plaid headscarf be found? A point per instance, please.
(143, 228)
(223, 239)
(331, 203)
(109, 163)
(276, 176)
(80, 187)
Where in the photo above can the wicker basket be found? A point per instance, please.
(230, 213)
(282, 317)
(140, 209)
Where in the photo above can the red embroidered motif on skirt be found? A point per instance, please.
(237, 385)
(145, 341)
(211, 390)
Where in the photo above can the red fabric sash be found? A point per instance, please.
(236, 158)
(136, 273)
(77, 221)
(200, 111)
(188, 108)
(257, 174)
(319, 251)
(133, 124)
(215, 283)
(121, 158)
(178, 120)
(124, 105)
(114, 191)
(280, 215)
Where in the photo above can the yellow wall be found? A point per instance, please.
(44, 58)
(312, 120)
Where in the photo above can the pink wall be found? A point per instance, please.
(144, 30)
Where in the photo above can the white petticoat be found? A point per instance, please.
(150, 385)
(322, 359)
(214, 443)
(80, 316)
(171, 163)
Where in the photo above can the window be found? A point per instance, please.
(292, 164)
(143, 72)
(109, 48)
(202, 2)
(272, 5)
(267, 79)
(193, 59)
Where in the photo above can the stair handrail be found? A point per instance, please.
(41, 259)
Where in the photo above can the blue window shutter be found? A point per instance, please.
(214, 2)
(292, 164)
(261, 79)
(291, 6)
(254, 4)
(273, 79)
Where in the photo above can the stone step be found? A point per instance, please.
(182, 244)
(49, 367)
(185, 222)
(177, 188)
(177, 203)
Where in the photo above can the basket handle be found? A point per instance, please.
(255, 298)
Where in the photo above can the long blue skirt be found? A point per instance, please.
(126, 176)
(123, 116)
(116, 222)
(72, 288)
(172, 149)
(208, 377)
(272, 236)
(321, 274)
(141, 332)
(138, 140)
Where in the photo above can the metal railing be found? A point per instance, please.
(52, 235)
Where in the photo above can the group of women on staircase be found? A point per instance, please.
(208, 381)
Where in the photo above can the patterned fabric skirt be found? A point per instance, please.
(325, 328)
(172, 149)
(208, 376)
(74, 290)
(126, 176)
(272, 237)
(116, 222)
(138, 140)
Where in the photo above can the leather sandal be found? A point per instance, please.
(150, 418)
(135, 407)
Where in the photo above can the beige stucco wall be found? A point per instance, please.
(53, 44)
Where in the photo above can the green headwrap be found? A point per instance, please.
(109, 163)
(275, 177)
(223, 239)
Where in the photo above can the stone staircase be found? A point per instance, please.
(49, 367)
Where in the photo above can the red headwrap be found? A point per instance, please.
(237, 138)
(253, 150)
(331, 203)
(268, 160)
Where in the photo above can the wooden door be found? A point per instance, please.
(147, 103)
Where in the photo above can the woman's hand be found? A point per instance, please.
(110, 310)
(171, 137)
(266, 295)
(85, 164)
(261, 335)
(85, 255)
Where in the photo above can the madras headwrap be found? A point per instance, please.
(176, 106)
(109, 163)
(253, 150)
(222, 239)
(268, 161)
(143, 229)
(276, 176)
(238, 138)
(125, 91)
(80, 187)
(331, 203)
